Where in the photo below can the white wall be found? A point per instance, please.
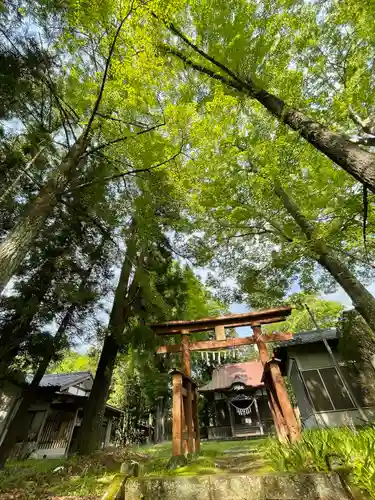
(77, 391)
(338, 418)
(9, 396)
(48, 453)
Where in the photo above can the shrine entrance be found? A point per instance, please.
(237, 401)
(185, 424)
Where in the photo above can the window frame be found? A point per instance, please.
(327, 391)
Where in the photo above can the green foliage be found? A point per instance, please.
(34, 479)
(323, 449)
(154, 459)
(325, 313)
(141, 378)
(200, 185)
(75, 362)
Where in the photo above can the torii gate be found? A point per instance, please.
(185, 425)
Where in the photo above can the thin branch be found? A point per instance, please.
(251, 233)
(351, 256)
(112, 118)
(216, 63)
(364, 141)
(24, 172)
(202, 69)
(122, 174)
(280, 231)
(366, 125)
(120, 139)
(105, 74)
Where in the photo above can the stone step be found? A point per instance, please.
(317, 486)
(233, 451)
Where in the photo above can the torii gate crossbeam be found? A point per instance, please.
(185, 405)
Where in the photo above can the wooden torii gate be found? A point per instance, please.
(185, 425)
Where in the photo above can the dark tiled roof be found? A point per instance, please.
(309, 337)
(62, 379)
(249, 374)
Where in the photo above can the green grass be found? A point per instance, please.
(156, 458)
(342, 449)
(89, 476)
(80, 477)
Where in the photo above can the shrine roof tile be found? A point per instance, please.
(249, 374)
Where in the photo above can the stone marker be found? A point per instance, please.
(319, 486)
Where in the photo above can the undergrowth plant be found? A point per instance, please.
(326, 449)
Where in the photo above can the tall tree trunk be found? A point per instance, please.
(349, 156)
(90, 430)
(362, 299)
(159, 419)
(17, 329)
(17, 244)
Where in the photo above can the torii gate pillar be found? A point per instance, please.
(185, 434)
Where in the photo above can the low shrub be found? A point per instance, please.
(326, 449)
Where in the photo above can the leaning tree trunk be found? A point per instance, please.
(88, 439)
(15, 247)
(90, 431)
(362, 299)
(17, 329)
(349, 156)
(353, 159)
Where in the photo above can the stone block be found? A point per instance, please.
(318, 486)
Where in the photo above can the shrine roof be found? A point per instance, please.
(310, 337)
(224, 376)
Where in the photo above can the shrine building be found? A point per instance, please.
(238, 401)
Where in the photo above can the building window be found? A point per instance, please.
(299, 388)
(326, 390)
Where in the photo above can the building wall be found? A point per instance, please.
(338, 418)
(49, 453)
(315, 356)
(9, 399)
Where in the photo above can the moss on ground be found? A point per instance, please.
(84, 478)
(89, 477)
(213, 459)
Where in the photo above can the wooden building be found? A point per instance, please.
(329, 391)
(239, 401)
(54, 417)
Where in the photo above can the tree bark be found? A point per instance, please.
(17, 244)
(159, 420)
(89, 433)
(354, 160)
(349, 156)
(17, 329)
(362, 299)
